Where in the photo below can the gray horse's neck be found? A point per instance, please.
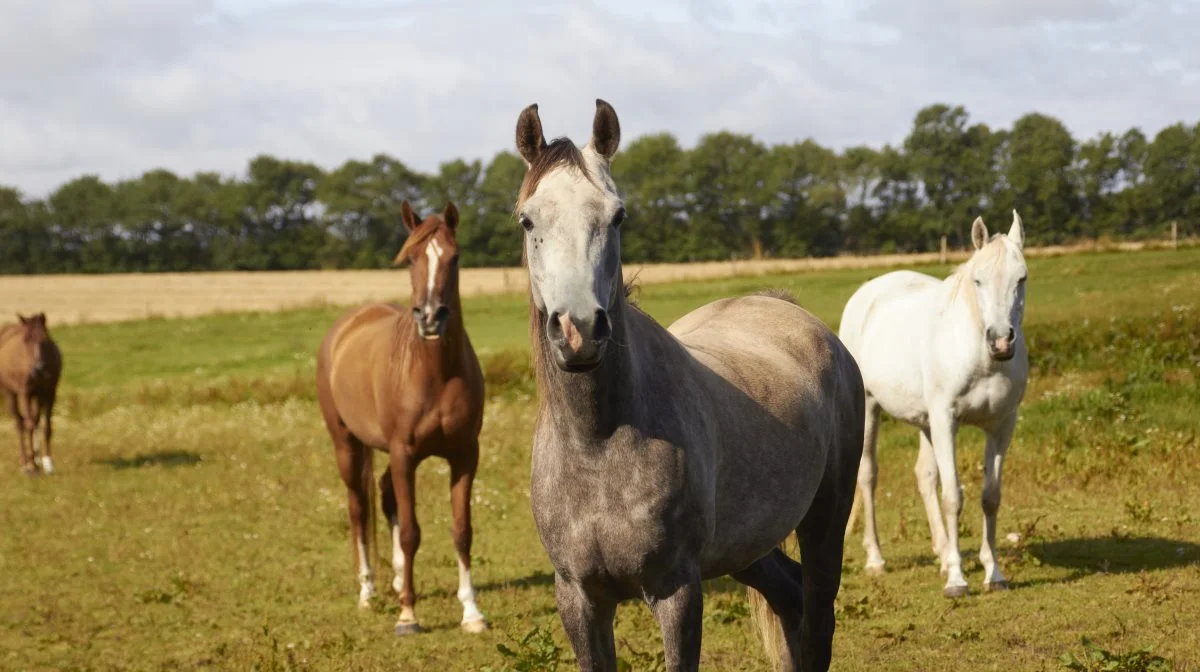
(586, 408)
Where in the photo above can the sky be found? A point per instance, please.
(118, 87)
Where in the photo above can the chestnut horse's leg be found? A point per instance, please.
(354, 465)
(404, 471)
(462, 475)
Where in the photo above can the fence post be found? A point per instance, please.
(942, 256)
(1174, 234)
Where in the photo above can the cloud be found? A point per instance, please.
(119, 87)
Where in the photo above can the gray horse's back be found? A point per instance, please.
(788, 401)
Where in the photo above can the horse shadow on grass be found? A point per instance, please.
(1110, 555)
(164, 458)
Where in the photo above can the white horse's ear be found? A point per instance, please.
(1017, 233)
(606, 130)
(979, 234)
(530, 139)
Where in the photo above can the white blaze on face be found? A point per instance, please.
(433, 252)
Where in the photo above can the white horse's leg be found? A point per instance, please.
(942, 428)
(997, 444)
(927, 478)
(868, 469)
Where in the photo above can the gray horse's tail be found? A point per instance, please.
(768, 625)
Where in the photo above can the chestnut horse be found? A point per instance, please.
(30, 365)
(407, 382)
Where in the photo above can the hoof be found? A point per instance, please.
(995, 586)
(31, 470)
(364, 604)
(955, 591)
(874, 570)
(403, 629)
(475, 627)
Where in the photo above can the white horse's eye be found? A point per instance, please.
(978, 283)
(526, 223)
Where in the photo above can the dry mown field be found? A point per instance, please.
(72, 299)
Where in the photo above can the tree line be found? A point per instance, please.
(730, 196)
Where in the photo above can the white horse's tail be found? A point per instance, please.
(770, 629)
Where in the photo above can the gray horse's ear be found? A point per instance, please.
(530, 139)
(979, 234)
(450, 214)
(1017, 233)
(408, 216)
(606, 130)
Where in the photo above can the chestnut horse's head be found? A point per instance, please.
(36, 339)
(432, 255)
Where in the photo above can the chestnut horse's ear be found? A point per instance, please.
(606, 130)
(450, 214)
(410, 218)
(41, 317)
(22, 318)
(530, 139)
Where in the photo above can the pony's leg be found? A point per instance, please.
(26, 424)
(404, 471)
(354, 466)
(47, 432)
(942, 428)
(462, 475)
(779, 581)
(15, 409)
(678, 606)
(927, 478)
(997, 444)
(868, 469)
(588, 622)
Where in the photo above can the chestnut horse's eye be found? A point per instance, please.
(526, 223)
(619, 217)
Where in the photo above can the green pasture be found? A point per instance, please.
(196, 520)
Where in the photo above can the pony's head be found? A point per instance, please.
(432, 255)
(997, 270)
(36, 339)
(571, 213)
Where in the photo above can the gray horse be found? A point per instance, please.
(663, 457)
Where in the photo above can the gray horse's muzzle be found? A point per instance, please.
(578, 344)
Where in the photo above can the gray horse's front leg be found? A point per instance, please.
(680, 615)
(588, 622)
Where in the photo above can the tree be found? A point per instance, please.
(1040, 154)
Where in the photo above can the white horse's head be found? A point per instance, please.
(997, 270)
(572, 213)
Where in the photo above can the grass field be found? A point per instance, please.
(196, 520)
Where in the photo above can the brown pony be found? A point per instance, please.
(30, 365)
(407, 382)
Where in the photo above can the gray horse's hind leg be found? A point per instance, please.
(780, 581)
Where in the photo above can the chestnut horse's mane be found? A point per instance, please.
(421, 235)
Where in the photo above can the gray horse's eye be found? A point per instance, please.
(526, 223)
(618, 218)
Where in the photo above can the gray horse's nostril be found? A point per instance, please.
(601, 329)
(1012, 334)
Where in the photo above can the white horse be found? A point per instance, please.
(936, 354)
